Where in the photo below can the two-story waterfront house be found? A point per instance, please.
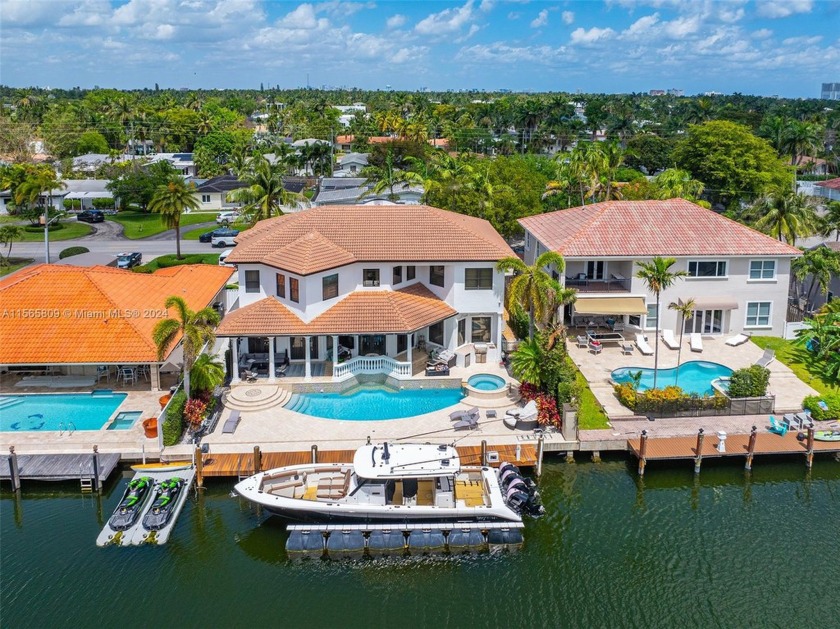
(344, 283)
(739, 278)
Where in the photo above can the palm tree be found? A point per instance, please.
(8, 235)
(195, 329)
(532, 287)
(786, 215)
(801, 138)
(830, 221)
(685, 310)
(264, 195)
(821, 265)
(207, 373)
(658, 276)
(527, 362)
(674, 183)
(387, 177)
(170, 201)
(31, 191)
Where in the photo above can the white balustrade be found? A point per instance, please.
(372, 365)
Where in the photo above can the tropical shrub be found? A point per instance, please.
(547, 413)
(518, 322)
(72, 251)
(72, 204)
(671, 399)
(194, 412)
(831, 401)
(749, 382)
(102, 203)
(173, 423)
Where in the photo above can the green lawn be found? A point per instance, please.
(194, 234)
(17, 263)
(793, 357)
(590, 414)
(66, 230)
(168, 260)
(141, 224)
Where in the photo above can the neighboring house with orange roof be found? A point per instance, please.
(738, 277)
(376, 280)
(80, 318)
(829, 189)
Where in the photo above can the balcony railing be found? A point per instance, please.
(606, 285)
(372, 365)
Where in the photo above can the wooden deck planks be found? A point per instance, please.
(242, 464)
(673, 448)
(58, 467)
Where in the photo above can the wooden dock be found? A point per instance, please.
(59, 467)
(242, 463)
(704, 446)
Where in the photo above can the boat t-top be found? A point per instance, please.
(388, 482)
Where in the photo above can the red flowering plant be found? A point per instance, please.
(547, 413)
(528, 391)
(194, 412)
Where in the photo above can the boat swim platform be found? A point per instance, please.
(59, 467)
(737, 445)
(242, 463)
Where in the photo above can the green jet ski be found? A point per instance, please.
(166, 497)
(131, 505)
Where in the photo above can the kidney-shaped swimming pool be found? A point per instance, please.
(692, 377)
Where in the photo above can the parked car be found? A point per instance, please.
(208, 236)
(91, 216)
(129, 260)
(223, 256)
(225, 218)
(224, 237)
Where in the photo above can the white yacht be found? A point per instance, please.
(389, 482)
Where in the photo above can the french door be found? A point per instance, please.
(705, 322)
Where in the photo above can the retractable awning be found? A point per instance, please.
(611, 306)
(714, 303)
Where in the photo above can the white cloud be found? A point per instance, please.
(474, 28)
(594, 34)
(541, 19)
(446, 21)
(164, 32)
(395, 21)
(88, 13)
(642, 25)
(682, 26)
(783, 8)
(303, 17)
(568, 17)
(762, 33)
(514, 15)
(486, 6)
(503, 53)
(802, 41)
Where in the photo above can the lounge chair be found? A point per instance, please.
(524, 418)
(780, 428)
(582, 341)
(642, 344)
(232, 422)
(529, 410)
(595, 348)
(463, 414)
(469, 422)
(695, 342)
(766, 358)
(738, 339)
(250, 376)
(669, 339)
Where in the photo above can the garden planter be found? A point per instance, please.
(150, 427)
(164, 400)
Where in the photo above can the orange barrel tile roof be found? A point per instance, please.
(362, 312)
(326, 237)
(675, 227)
(61, 314)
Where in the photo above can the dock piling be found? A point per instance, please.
(199, 467)
(642, 452)
(698, 458)
(14, 470)
(751, 448)
(540, 448)
(257, 460)
(97, 485)
(809, 455)
(314, 452)
(570, 456)
(483, 453)
(596, 456)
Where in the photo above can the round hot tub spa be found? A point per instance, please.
(486, 386)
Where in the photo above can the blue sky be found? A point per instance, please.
(764, 47)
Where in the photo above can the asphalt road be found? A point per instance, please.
(108, 238)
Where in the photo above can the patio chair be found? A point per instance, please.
(695, 342)
(529, 410)
(595, 348)
(128, 375)
(582, 341)
(738, 339)
(103, 372)
(463, 414)
(766, 358)
(232, 422)
(470, 422)
(642, 344)
(779, 428)
(250, 376)
(669, 339)
(626, 348)
(618, 327)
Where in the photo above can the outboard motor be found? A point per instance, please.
(504, 467)
(517, 501)
(517, 485)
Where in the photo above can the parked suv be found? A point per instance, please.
(129, 260)
(208, 236)
(224, 237)
(91, 216)
(225, 218)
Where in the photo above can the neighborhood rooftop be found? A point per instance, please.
(675, 227)
(68, 315)
(326, 237)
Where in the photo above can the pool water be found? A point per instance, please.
(56, 411)
(486, 382)
(125, 420)
(369, 402)
(692, 377)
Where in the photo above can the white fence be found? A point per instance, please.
(372, 365)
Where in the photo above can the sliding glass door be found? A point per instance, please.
(705, 322)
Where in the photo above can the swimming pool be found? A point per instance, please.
(369, 402)
(693, 377)
(86, 411)
(486, 382)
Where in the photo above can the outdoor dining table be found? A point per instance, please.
(606, 337)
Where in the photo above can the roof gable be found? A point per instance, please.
(674, 227)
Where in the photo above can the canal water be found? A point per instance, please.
(721, 550)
